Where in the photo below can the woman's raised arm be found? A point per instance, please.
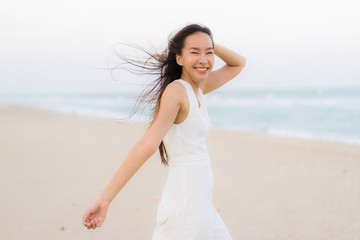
(234, 63)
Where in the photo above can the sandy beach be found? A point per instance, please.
(53, 166)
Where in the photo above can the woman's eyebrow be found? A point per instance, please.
(198, 49)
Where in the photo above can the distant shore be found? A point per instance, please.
(53, 165)
(330, 114)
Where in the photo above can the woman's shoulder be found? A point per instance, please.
(175, 90)
(175, 85)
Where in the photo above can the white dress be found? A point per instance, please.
(186, 210)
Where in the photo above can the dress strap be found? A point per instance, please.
(193, 97)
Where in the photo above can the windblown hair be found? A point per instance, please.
(165, 68)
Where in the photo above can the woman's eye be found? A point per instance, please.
(193, 52)
(210, 53)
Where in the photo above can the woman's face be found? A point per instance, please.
(197, 57)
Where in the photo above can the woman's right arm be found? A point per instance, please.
(169, 107)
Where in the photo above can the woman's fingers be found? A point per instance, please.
(88, 215)
(99, 223)
(95, 215)
(93, 223)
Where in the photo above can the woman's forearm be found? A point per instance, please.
(234, 63)
(137, 156)
(231, 58)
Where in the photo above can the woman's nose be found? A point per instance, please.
(203, 58)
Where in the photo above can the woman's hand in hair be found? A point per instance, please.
(234, 63)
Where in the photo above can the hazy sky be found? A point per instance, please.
(61, 45)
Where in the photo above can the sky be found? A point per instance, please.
(69, 45)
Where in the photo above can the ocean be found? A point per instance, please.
(314, 113)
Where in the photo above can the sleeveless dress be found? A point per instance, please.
(186, 210)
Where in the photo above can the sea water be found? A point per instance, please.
(323, 113)
(320, 113)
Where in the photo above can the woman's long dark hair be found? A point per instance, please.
(165, 67)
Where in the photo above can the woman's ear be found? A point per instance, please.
(179, 59)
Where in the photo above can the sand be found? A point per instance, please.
(53, 166)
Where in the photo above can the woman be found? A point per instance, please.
(179, 128)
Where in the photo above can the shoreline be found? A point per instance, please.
(224, 129)
(53, 165)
